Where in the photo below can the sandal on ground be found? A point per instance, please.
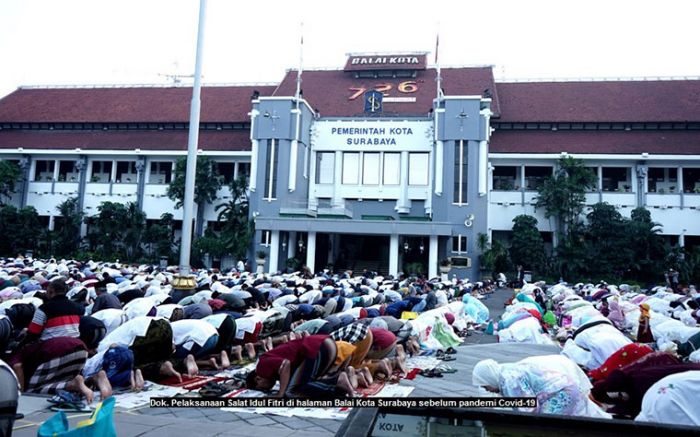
(71, 407)
(212, 390)
(444, 368)
(431, 373)
(440, 354)
(448, 358)
(450, 351)
(63, 396)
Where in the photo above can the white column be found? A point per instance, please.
(337, 180)
(291, 244)
(393, 254)
(253, 152)
(681, 239)
(293, 151)
(439, 165)
(433, 257)
(402, 205)
(311, 251)
(274, 250)
(52, 223)
(483, 168)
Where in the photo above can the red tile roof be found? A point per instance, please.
(599, 142)
(123, 140)
(599, 101)
(329, 92)
(135, 104)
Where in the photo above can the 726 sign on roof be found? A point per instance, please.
(407, 87)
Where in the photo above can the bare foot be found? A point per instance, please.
(237, 353)
(284, 339)
(344, 385)
(250, 350)
(368, 376)
(103, 384)
(400, 353)
(352, 377)
(167, 369)
(211, 362)
(361, 381)
(225, 362)
(138, 378)
(400, 364)
(78, 384)
(292, 335)
(268, 344)
(191, 365)
(383, 369)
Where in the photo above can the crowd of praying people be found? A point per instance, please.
(625, 353)
(72, 327)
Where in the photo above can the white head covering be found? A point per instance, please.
(486, 372)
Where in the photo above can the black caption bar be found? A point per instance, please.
(473, 402)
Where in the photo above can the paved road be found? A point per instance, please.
(214, 422)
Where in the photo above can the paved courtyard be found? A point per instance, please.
(214, 422)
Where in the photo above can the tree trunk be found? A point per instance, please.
(199, 223)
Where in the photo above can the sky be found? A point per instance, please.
(93, 42)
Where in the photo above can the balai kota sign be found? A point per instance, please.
(386, 62)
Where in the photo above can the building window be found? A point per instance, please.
(266, 238)
(101, 171)
(392, 169)
(67, 171)
(536, 176)
(126, 172)
(44, 171)
(226, 170)
(325, 167)
(459, 244)
(617, 179)
(461, 172)
(161, 172)
(271, 169)
(505, 178)
(418, 168)
(370, 169)
(351, 168)
(691, 180)
(662, 180)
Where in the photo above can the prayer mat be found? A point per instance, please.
(372, 390)
(188, 383)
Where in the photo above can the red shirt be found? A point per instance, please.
(382, 338)
(296, 351)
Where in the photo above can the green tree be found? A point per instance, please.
(20, 228)
(9, 176)
(494, 255)
(207, 183)
(609, 254)
(160, 238)
(66, 233)
(527, 246)
(563, 197)
(237, 230)
(116, 231)
(647, 246)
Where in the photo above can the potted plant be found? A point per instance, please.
(445, 265)
(260, 256)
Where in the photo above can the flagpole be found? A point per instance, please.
(301, 61)
(437, 66)
(188, 201)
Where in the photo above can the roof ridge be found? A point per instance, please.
(597, 79)
(144, 85)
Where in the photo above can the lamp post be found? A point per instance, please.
(188, 202)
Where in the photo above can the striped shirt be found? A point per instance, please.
(58, 317)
